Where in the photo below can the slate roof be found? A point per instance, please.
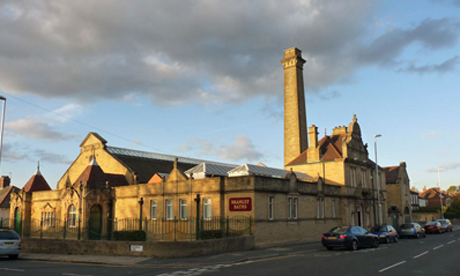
(94, 177)
(5, 196)
(36, 183)
(146, 164)
(391, 174)
(211, 169)
(248, 169)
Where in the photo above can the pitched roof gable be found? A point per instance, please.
(5, 196)
(94, 177)
(391, 174)
(36, 183)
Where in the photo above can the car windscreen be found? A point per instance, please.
(379, 229)
(432, 223)
(8, 235)
(406, 226)
(339, 230)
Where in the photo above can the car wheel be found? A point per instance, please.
(387, 240)
(376, 243)
(417, 236)
(329, 248)
(354, 245)
(395, 239)
(13, 257)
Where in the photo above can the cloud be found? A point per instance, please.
(215, 52)
(52, 157)
(33, 128)
(242, 149)
(430, 34)
(10, 153)
(444, 67)
(443, 168)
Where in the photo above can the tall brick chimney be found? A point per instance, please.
(4, 181)
(295, 118)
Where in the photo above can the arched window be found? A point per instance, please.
(72, 215)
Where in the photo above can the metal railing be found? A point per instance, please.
(146, 229)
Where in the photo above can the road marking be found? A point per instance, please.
(420, 255)
(391, 266)
(12, 269)
(451, 242)
(437, 247)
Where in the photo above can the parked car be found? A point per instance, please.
(413, 230)
(10, 243)
(351, 237)
(386, 233)
(446, 223)
(434, 227)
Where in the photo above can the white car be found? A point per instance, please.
(10, 243)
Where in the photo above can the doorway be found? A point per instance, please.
(95, 223)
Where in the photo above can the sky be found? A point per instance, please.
(203, 79)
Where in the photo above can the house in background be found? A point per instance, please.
(5, 191)
(433, 197)
(398, 194)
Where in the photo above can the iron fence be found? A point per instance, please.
(137, 229)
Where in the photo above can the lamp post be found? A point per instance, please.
(440, 193)
(377, 178)
(2, 123)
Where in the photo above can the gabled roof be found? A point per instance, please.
(248, 169)
(146, 164)
(36, 183)
(391, 174)
(93, 177)
(433, 193)
(5, 196)
(330, 148)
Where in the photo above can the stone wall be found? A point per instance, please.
(149, 249)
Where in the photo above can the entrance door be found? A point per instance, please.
(95, 223)
(17, 220)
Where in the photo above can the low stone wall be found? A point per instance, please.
(125, 248)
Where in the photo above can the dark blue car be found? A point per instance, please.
(386, 233)
(351, 237)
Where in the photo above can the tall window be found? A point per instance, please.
(294, 209)
(48, 219)
(322, 208)
(72, 216)
(289, 208)
(207, 208)
(183, 208)
(363, 178)
(271, 208)
(169, 209)
(317, 208)
(353, 177)
(333, 208)
(153, 209)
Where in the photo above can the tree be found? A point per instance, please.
(453, 189)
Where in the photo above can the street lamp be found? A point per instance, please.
(2, 123)
(377, 177)
(440, 194)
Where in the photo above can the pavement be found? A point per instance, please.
(189, 262)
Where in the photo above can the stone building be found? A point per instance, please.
(5, 191)
(340, 159)
(324, 183)
(398, 194)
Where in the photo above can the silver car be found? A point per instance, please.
(10, 243)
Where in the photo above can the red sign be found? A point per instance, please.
(240, 204)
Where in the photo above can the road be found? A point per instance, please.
(434, 255)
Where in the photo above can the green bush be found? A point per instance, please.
(129, 236)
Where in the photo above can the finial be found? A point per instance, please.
(175, 162)
(354, 118)
(38, 169)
